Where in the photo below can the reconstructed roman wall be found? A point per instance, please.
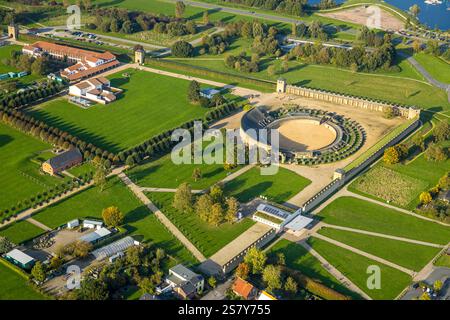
(406, 112)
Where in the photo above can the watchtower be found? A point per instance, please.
(281, 85)
(13, 31)
(139, 56)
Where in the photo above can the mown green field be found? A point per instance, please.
(14, 287)
(393, 87)
(438, 68)
(149, 105)
(19, 176)
(359, 214)
(20, 231)
(279, 187)
(164, 173)
(355, 267)
(139, 221)
(299, 259)
(208, 239)
(408, 255)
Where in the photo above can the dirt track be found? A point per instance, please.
(363, 15)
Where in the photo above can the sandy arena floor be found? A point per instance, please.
(301, 136)
(363, 15)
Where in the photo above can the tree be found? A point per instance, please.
(206, 18)
(203, 206)
(212, 282)
(415, 10)
(388, 113)
(38, 272)
(81, 249)
(182, 49)
(92, 289)
(232, 209)
(444, 182)
(216, 216)
(194, 92)
(147, 285)
(271, 71)
(391, 156)
(437, 285)
(256, 259)
(112, 216)
(100, 177)
(196, 174)
(281, 259)
(179, 9)
(272, 277)
(290, 286)
(425, 197)
(242, 270)
(416, 46)
(216, 193)
(38, 67)
(133, 256)
(5, 245)
(182, 201)
(419, 141)
(435, 152)
(425, 296)
(442, 131)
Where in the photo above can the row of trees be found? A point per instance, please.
(357, 58)
(127, 22)
(212, 207)
(23, 98)
(243, 63)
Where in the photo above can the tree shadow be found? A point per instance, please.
(5, 139)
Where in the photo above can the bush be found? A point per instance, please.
(182, 49)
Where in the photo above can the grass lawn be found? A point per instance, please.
(278, 188)
(208, 239)
(14, 287)
(389, 87)
(355, 266)
(438, 68)
(359, 214)
(141, 224)
(20, 231)
(150, 104)
(82, 169)
(443, 261)
(299, 259)
(408, 255)
(19, 176)
(164, 173)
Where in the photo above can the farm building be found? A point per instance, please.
(20, 259)
(97, 90)
(92, 224)
(96, 236)
(209, 93)
(87, 63)
(62, 161)
(114, 248)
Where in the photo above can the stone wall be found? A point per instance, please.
(336, 184)
(372, 105)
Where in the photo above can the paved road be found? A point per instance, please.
(426, 74)
(172, 228)
(219, 293)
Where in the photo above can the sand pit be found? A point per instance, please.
(304, 135)
(363, 14)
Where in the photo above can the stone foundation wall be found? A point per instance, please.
(406, 112)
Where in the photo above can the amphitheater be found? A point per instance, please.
(307, 136)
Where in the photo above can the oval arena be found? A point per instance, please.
(307, 136)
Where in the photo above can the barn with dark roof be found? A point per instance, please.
(62, 161)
